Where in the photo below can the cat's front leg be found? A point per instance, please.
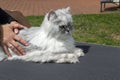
(79, 52)
(67, 58)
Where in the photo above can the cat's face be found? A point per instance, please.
(62, 19)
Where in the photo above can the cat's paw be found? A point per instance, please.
(68, 58)
(79, 52)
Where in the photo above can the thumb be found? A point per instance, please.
(18, 26)
(16, 31)
(15, 24)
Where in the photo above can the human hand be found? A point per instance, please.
(10, 38)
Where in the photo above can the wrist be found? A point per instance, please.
(11, 20)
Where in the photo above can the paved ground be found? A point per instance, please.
(99, 63)
(40, 7)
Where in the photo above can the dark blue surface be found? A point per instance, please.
(99, 63)
(106, 0)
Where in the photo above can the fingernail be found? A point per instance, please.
(9, 55)
(16, 31)
(26, 44)
(23, 52)
(23, 26)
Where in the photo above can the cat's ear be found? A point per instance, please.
(67, 10)
(52, 15)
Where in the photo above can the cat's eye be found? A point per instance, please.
(62, 26)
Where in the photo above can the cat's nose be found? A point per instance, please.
(68, 31)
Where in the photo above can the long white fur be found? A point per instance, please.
(47, 42)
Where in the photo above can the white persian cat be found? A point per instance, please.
(52, 41)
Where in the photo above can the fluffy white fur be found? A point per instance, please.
(52, 41)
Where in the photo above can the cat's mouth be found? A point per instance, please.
(65, 29)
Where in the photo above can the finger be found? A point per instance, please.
(18, 26)
(5, 48)
(16, 51)
(21, 40)
(13, 49)
(17, 48)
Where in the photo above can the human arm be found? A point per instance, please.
(5, 17)
(9, 30)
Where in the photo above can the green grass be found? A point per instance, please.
(92, 28)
